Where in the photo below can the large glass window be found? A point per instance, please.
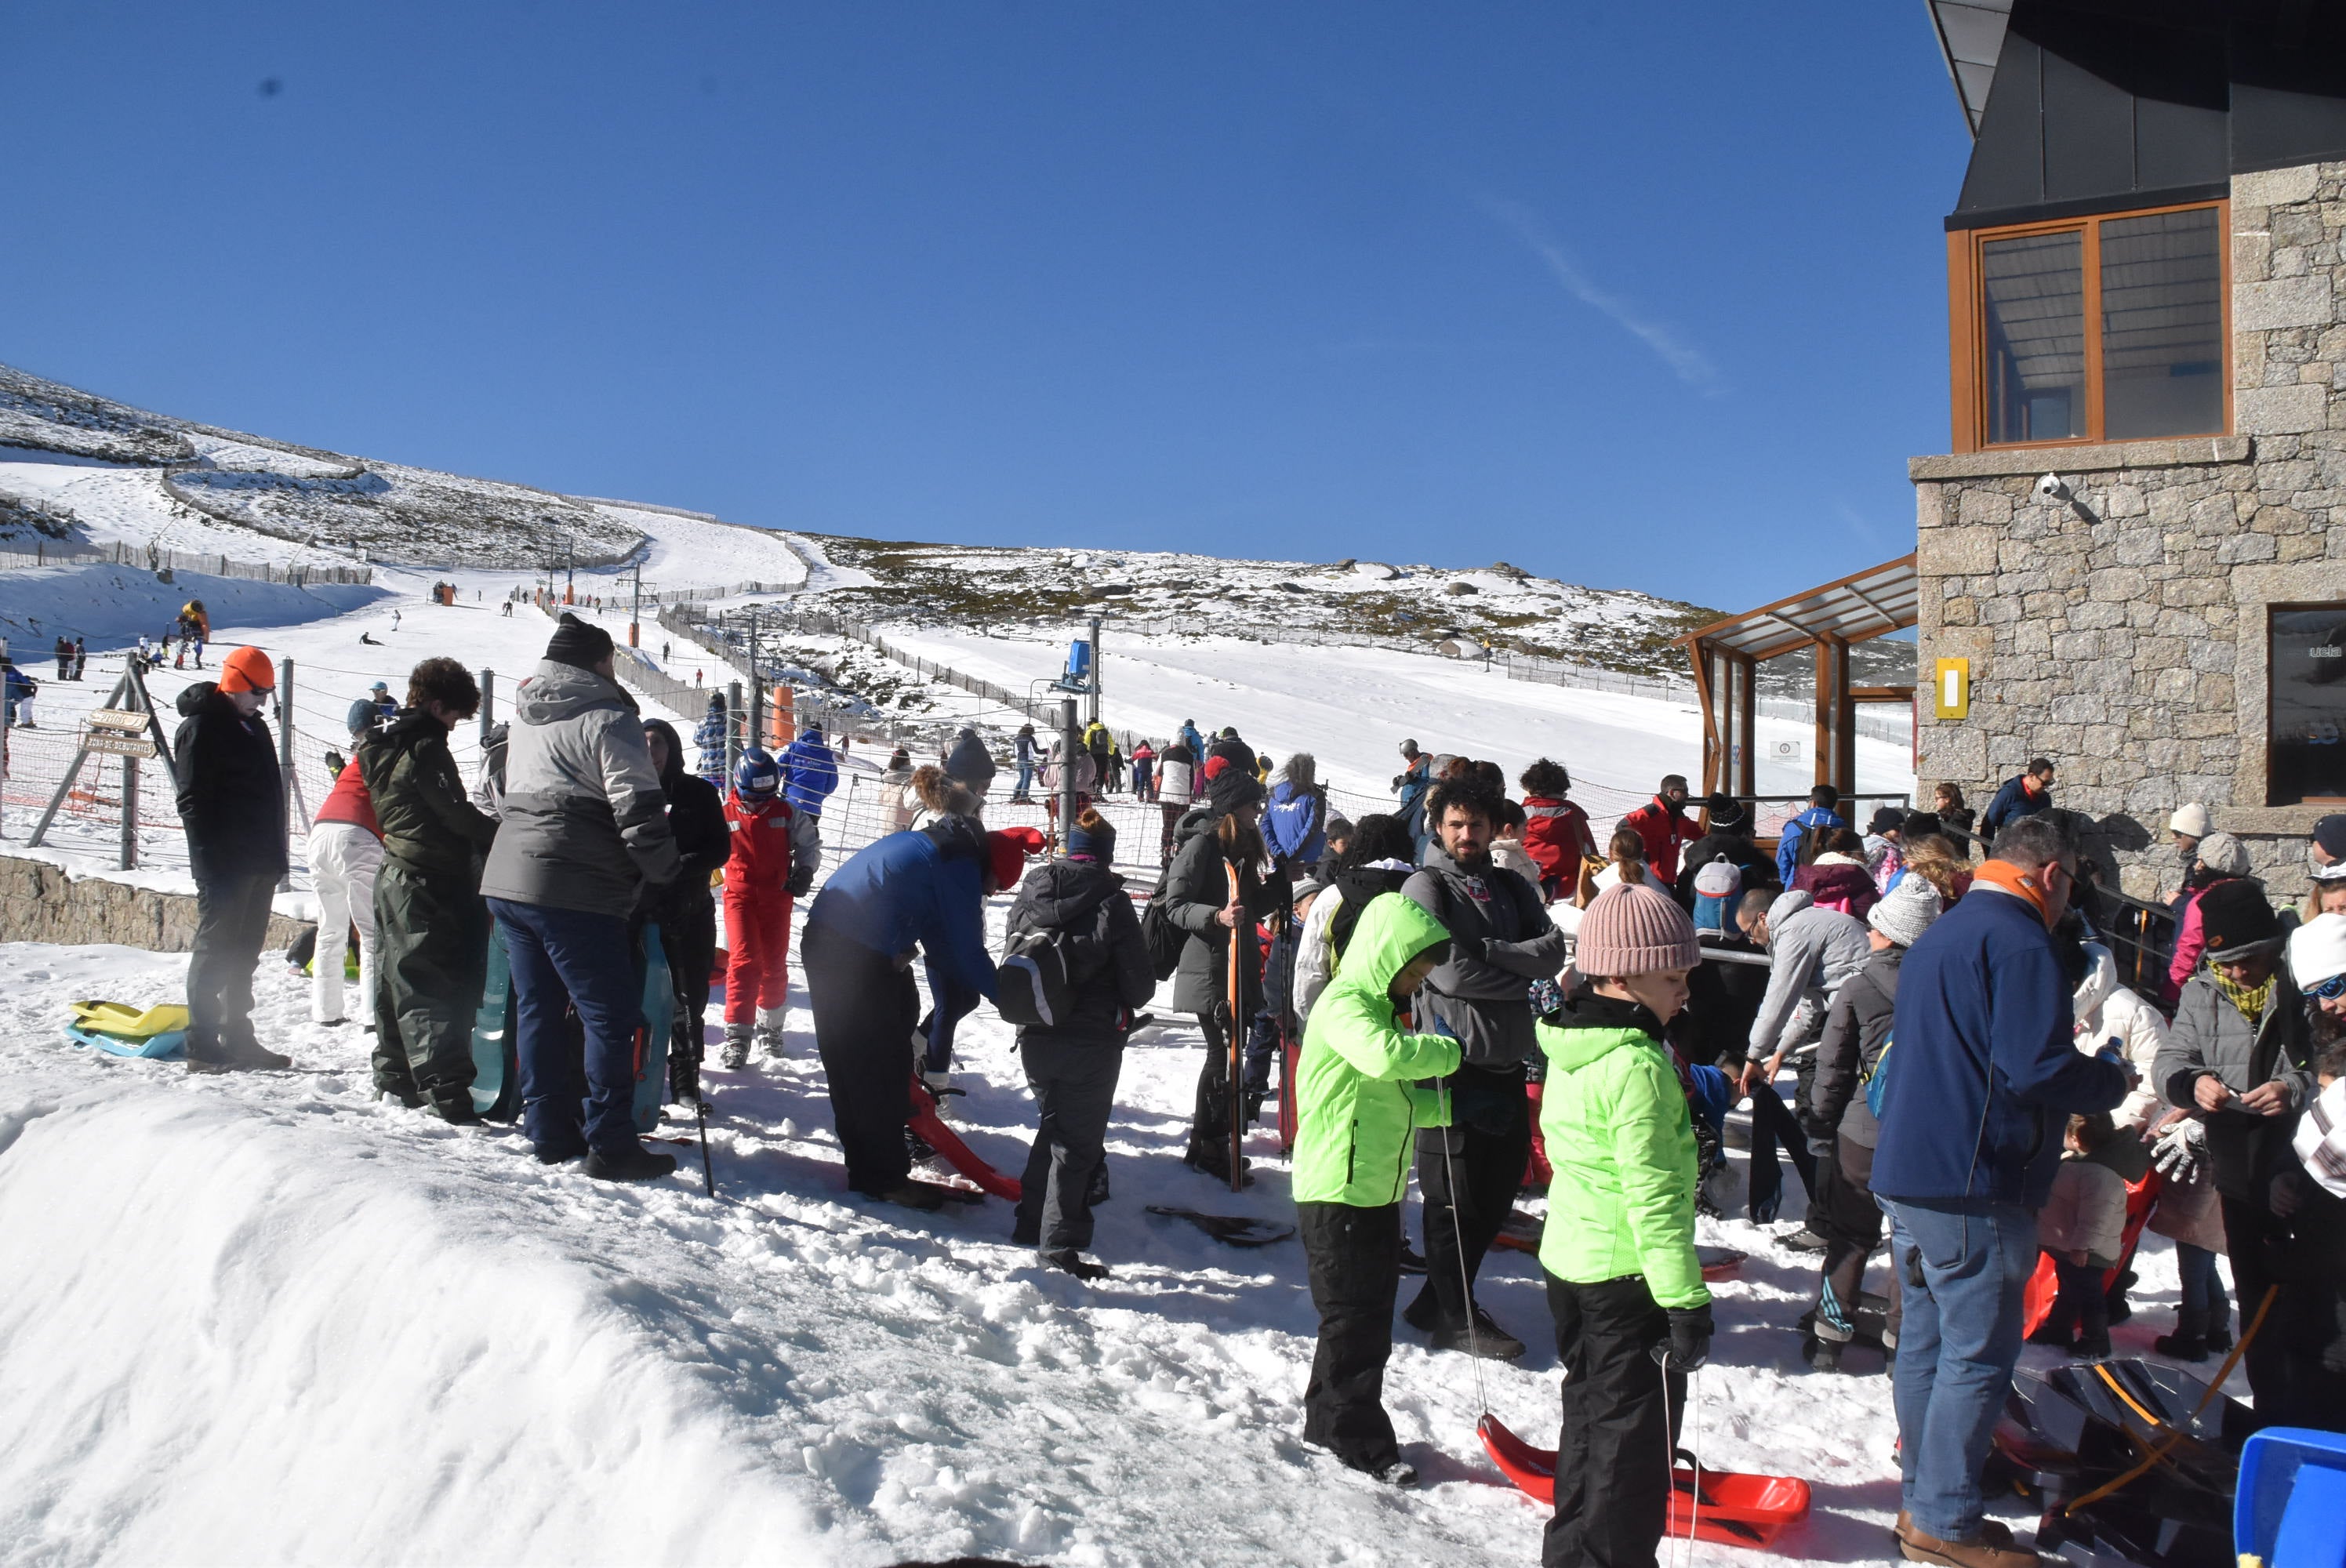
(2035, 292)
(2306, 751)
(2162, 325)
(2104, 329)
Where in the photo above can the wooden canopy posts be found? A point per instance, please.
(1727, 655)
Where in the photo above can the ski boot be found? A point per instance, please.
(735, 1052)
(232, 1056)
(769, 1034)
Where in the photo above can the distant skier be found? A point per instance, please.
(81, 658)
(810, 772)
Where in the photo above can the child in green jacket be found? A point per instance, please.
(1357, 1110)
(1632, 1316)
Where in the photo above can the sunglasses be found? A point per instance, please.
(2329, 990)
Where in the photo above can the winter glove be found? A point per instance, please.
(798, 885)
(1546, 998)
(1689, 1345)
(2181, 1152)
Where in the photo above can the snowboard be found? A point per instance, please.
(930, 1129)
(1734, 1508)
(497, 1062)
(1236, 1229)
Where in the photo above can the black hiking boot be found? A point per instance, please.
(558, 1156)
(1485, 1340)
(456, 1110)
(1070, 1261)
(1821, 1354)
(1393, 1472)
(239, 1056)
(912, 1194)
(1412, 1261)
(1804, 1240)
(633, 1163)
(1217, 1167)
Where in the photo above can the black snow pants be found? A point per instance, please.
(231, 922)
(1353, 1256)
(431, 956)
(1485, 1154)
(1209, 1123)
(689, 939)
(1074, 1091)
(864, 1007)
(1846, 1216)
(1621, 1415)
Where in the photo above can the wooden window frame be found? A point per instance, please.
(1967, 323)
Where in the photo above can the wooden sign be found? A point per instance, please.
(114, 743)
(120, 718)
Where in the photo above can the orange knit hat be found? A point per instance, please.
(248, 669)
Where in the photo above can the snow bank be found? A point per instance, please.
(232, 1338)
(111, 606)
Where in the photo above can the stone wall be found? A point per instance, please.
(2122, 632)
(41, 902)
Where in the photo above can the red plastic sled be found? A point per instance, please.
(2044, 1285)
(934, 1132)
(1736, 1508)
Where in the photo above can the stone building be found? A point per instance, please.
(2129, 544)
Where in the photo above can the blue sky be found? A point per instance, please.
(1639, 296)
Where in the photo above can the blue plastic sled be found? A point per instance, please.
(2291, 1509)
(652, 1034)
(497, 1062)
(169, 1044)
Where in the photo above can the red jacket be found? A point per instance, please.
(348, 801)
(1663, 832)
(775, 850)
(1557, 837)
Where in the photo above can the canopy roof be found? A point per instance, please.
(1970, 36)
(1868, 603)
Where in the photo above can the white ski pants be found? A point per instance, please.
(344, 860)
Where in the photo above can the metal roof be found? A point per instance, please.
(1868, 603)
(1970, 36)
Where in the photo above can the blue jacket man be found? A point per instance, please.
(924, 889)
(1819, 817)
(2025, 796)
(1979, 1080)
(810, 772)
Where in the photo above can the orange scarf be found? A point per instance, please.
(2012, 880)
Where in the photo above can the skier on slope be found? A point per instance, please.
(916, 889)
(685, 911)
(430, 923)
(232, 800)
(776, 849)
(810, 771)
(1213, 841)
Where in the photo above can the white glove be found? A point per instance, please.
(2181, 1151)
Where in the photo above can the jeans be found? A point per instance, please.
(562, 959)
(951, 1003)
(2203, 1287)
(1965, 1272)
(1025, 778)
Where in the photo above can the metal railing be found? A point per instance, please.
(154, 558)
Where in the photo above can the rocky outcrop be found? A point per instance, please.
(41, 903)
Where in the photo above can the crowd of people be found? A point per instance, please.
(1469, 991)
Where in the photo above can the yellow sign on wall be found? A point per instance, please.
(1952, 691)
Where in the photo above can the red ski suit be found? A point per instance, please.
(773, 858)
(1557, 837)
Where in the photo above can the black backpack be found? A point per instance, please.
(1036, 982)
(1812, 842)
(1163, 939)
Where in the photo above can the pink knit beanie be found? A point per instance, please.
(1630, 929)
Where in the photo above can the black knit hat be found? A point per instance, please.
(1231, 788)
(576, 643)
(2238, 920)
(1725, 811)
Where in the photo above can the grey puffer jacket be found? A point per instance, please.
(1856, 1029)
(1196, 889)
(585, 823)
(2209, 1035)
(1485, 999)
(1812, 953)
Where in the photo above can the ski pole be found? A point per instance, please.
(708, 1174)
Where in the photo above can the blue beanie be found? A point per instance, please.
(1097, 842)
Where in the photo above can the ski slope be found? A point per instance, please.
(1351, 708)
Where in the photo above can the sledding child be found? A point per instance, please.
(776, 849)
(1632, 1315)
(2082, 1228)
(1358, 1109)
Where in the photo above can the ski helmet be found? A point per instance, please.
(756, 776)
